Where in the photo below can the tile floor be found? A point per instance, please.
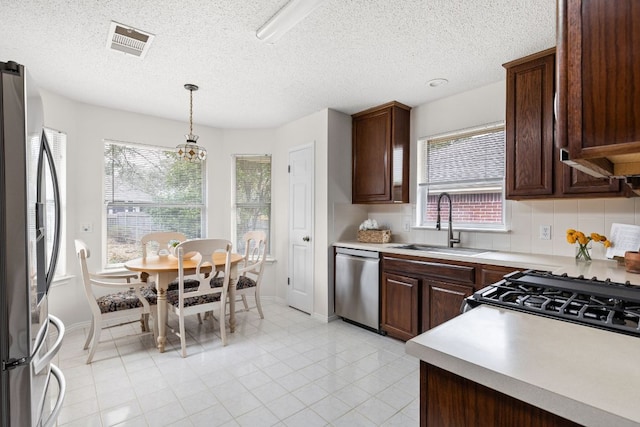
(285, 370)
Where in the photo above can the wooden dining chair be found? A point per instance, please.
(250, 270)
(161, 240)
(126, 300)
(203, 298)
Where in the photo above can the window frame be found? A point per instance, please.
(106, 204)
(234, 203)
(460, 187)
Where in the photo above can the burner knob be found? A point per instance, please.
(594, 278)
(581, 277)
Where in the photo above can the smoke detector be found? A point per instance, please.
(129, 40)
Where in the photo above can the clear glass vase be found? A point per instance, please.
(583, 252)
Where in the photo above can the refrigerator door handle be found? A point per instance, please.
(62, 386)
(39, 363)
(45, 151)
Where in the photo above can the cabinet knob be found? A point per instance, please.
(306, 239)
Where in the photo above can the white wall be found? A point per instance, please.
(309, 129)
(66, 300)
(87, 126)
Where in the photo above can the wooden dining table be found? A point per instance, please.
(165, 269)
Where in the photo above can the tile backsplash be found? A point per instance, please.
(524, 219)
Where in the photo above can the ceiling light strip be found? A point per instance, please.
(285, 19)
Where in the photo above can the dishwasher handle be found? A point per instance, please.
(358, 252)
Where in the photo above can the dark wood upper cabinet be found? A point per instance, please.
(577, 183)
(380, 172)
(599, 84)
(529, 125)
(533, 166)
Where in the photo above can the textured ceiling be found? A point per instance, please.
(348, 55)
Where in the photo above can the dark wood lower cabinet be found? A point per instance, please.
(447, 399)
(441, 302)
(399, 306)
(490, 274)
(420, 293)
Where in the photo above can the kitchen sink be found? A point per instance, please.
(443, 249)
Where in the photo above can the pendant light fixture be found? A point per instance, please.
(190, 150)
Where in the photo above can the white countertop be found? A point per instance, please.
(602, 269)
(584, 374)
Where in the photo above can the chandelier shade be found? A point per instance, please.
(190, 150)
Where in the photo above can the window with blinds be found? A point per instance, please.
(470, 166)
(148, 189)
(251, 197)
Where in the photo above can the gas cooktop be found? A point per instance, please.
(598, 303)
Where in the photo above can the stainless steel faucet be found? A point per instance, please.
(450, 239)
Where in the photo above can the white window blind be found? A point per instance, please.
(471, 158)
(252, 197)
(148, 189)
(470, 166)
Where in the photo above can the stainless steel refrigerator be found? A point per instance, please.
(31, 387)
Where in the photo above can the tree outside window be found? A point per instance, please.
(252, 197)
(149, 189)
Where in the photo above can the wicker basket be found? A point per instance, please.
(374, 236)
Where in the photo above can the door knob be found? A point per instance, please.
(306, 239)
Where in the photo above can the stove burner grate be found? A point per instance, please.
(601, 304)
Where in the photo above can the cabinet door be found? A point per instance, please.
(493, 273)
(371, 150)
(575, 182)
(400, 306)
(599, 83)
(441, 302)
(533, 166)
(529, 126)
(380, 152)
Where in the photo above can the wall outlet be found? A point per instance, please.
(545, 232)
(406, 223)
(86, 227)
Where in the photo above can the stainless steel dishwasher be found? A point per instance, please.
(357, 295)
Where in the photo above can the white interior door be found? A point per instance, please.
(301, 193)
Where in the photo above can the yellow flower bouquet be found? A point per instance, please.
(582, 252)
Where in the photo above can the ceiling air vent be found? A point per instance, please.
(129, 40)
